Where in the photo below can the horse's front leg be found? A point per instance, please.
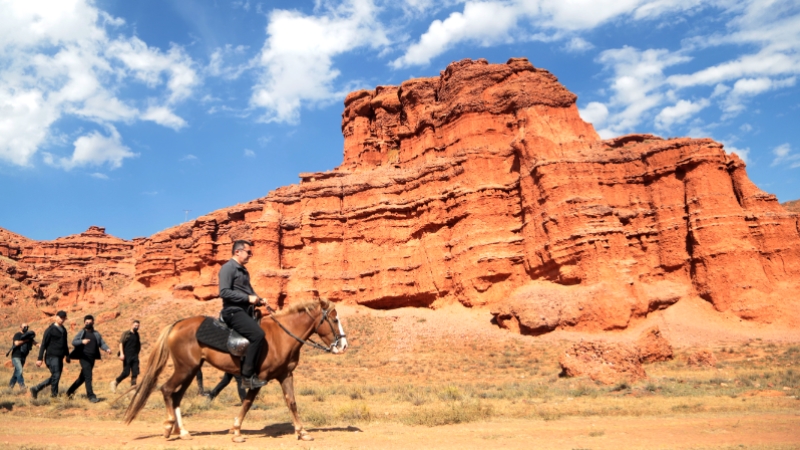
(287, 384)
(237, 422)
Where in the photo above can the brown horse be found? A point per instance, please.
(286, 332)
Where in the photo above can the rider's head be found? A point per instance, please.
(242, 251)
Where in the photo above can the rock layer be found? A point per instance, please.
(82, 268)
(483, 186)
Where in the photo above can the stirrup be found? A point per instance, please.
(252, 382)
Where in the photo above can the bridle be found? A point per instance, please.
(324, 317)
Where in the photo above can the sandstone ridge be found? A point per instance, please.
(482, 186)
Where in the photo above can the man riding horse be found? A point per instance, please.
(238, 303)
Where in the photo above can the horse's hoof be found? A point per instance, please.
(185, 435)
(238, 439)
(304, 437)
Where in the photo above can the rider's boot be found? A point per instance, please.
(252, 382)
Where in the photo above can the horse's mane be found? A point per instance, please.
(305, 306)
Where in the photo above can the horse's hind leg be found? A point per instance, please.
(237, 422)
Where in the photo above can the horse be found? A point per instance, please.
(285, 331)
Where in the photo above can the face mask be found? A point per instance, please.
(90, 326)
(24, 329)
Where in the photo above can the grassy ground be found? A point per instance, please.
(434, 378)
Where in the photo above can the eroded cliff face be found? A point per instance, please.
(483, 186)
(68, 271)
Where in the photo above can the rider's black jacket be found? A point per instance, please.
(234, 285)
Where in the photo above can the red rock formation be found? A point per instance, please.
(611, 363)
(483, 186)
(74, 269)
(702, 358)
(793, 206)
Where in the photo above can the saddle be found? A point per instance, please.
(216, 334)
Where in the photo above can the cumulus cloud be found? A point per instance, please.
(784, 156)
(57, 60)
(743, 153)
(485, 23)
(296, 62)
(750, 87)
(679, 113)
(491, 22)
(638, 76)
(595, 113)
(163, 116)
(578, 45)
(95, 149)
(249, 153)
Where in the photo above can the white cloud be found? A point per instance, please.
(743, 153)
(57, 61)
(595, 113)
(95, 149)
(163, 116)
(249, 153)
(485, 23)
(784, 156)
(189, 157)
(99, 176)
(578, 45)
(750, 87)
(495, 21)
(679, 113)
(218, 68)
(638, 76)
(296, 60)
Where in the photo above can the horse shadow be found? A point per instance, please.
(277, 430)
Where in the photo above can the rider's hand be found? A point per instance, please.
(253, 299)
(38, 363)
(122, 357)
(84, 341)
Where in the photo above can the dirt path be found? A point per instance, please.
(698, 431)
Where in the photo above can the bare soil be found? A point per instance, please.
(450, 379)
(700, 431)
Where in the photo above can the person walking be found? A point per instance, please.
(88, 344)
(53, 350)
(129, 347)
(224, 382)
(22, 342)
(238, 303)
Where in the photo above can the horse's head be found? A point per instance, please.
(329, 328)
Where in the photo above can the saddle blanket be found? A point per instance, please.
(216, 335)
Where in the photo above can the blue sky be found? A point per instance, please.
(124, 114)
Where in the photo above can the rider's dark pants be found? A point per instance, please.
(245, 325)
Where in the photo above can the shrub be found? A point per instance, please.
(455, 412)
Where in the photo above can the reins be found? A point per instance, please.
(308, 341)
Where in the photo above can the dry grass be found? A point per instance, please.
(432, 379)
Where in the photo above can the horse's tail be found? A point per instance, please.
(155, 365)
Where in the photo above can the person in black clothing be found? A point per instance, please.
(88, 344)
(53, 350)
(129, 347)
(22, 342)
(238, 303)
(224, 382)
